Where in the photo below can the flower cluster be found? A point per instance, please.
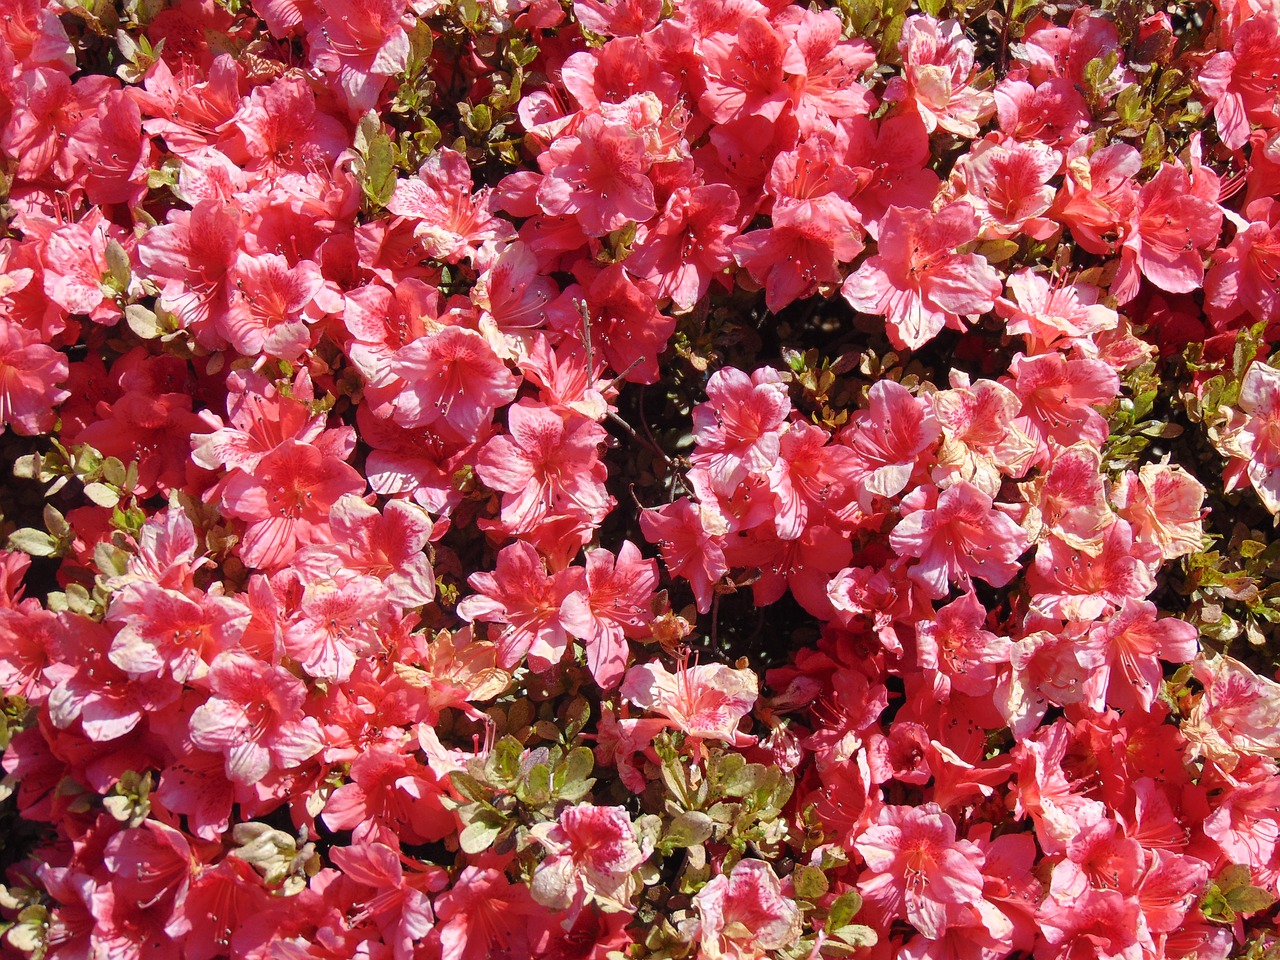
(632, 479)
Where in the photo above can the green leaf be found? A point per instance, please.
(689, 828)
(142, 322)
(480, 118)
(856, 935)
(998, 251)
(578, 764)
(376, 171)
(843, 910)
(749, 780)
(478, 836)
(502, 766)
(810, 882)
(470, 788)
(118, 266)
(101, 494)
(534, 789)
(114, 472)
(35, 543)
(1249, 899)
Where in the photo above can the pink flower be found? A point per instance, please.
(1053, 112)
(391, 788)
(983, 441)
(109, 142)
(614, 605)
(598, 175)
(1070, 498)
(1164, 505)
(624, 322)
(889, 440)
(592, 856)
(548, 465)
(745, 74)
(364, 44)
(165, 632)
(917, 868)
(956, 644)
(286, 501)
(745, 914)
(799, 251)
(86, 686)
(76, 270)
(30, 372)
(26, 639)
(1246, 827)
(268, 304)
(451, 223)
(1168, 235)
(691, 547)
(916, 282)
(47, 108)
(1058, 397)
(1045, 669)
(283, 130)
(804, 565)
(824, 68)
(938, 65)
(511, 291)
(337, 624)
(1088, 922)
(1054, 315)
(1099, 193)
(707, 701)
(399, 905)
(1008, 186)
(190, 259)
(739, 429)
(890, 159)
(523, 597)
(452, 379)
(1241, 276)
(483, 916)
(625, 18)
(1238, 714)
(957, 534)
(262, 417)
(1240, 81)
(812, 475)
(687, 245)
(1065, 582)
(1254, 436)
(255, 718)
(1133, 641)
(387, 546)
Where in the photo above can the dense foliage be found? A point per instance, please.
(644, 479)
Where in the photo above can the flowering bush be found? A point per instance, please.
(600, 480)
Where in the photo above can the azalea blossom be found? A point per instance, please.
(255, 718)
(957, 534)
(592, 858)
(547, 465)
(739, 428)
(1254, 435)
(917, 869)
(745, 913)
(939, 62)
(707, 701)
(916, 281)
